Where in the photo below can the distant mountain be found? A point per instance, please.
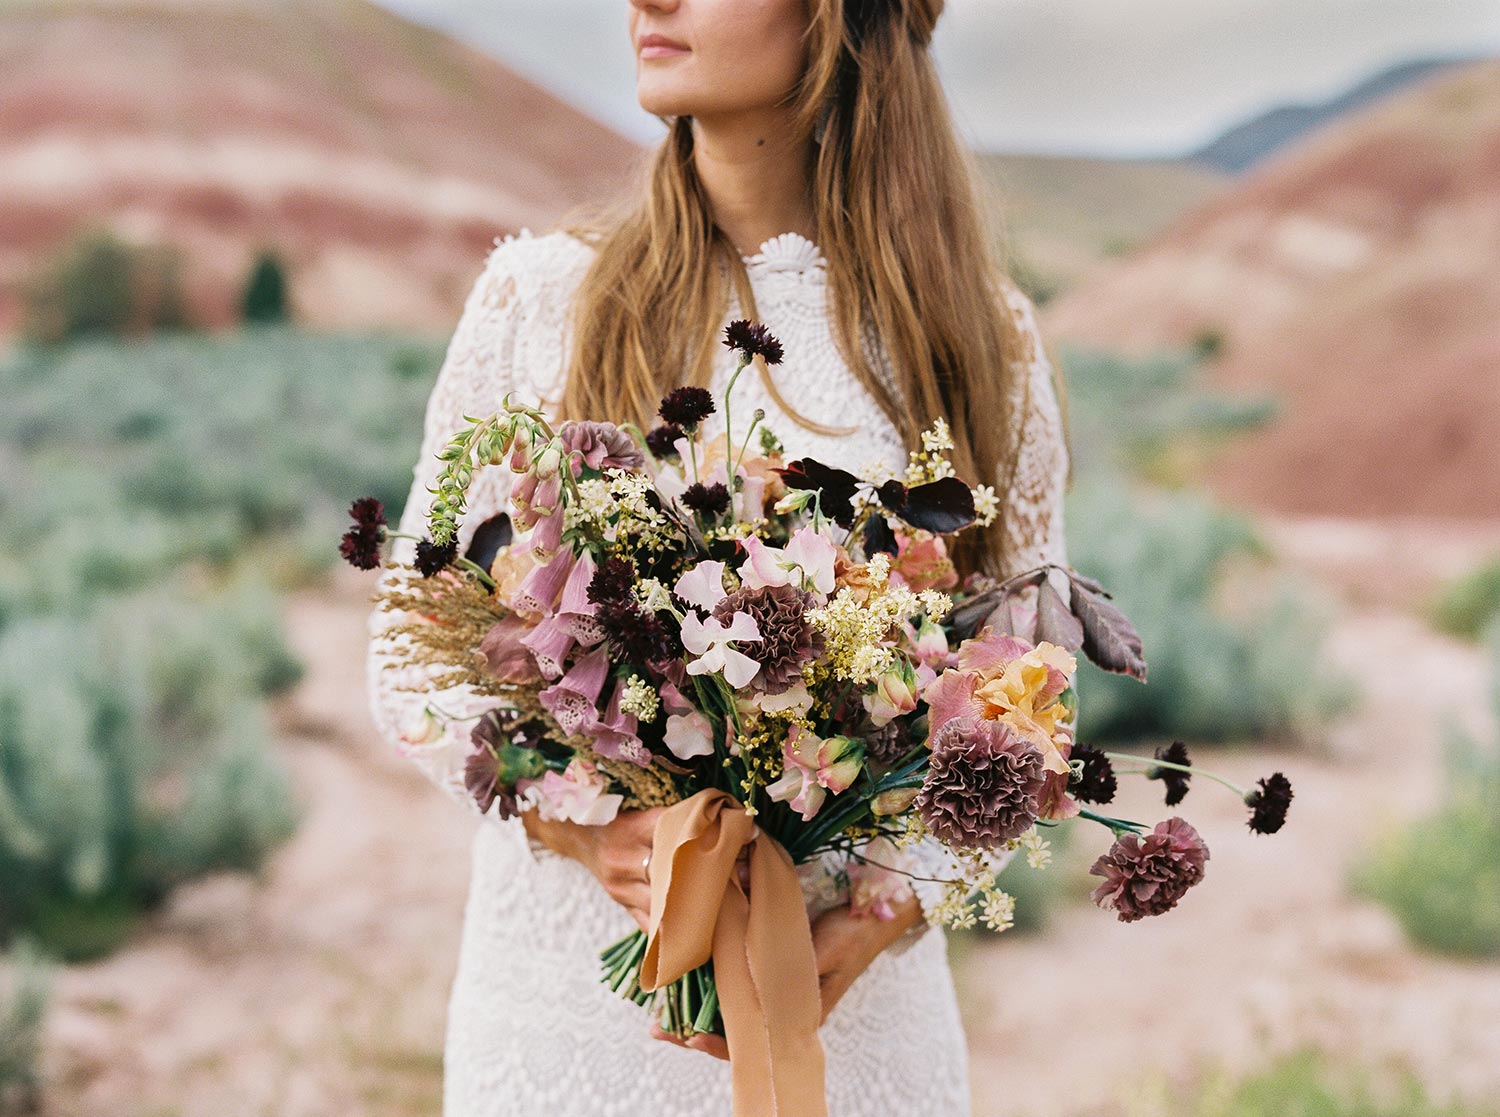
(379, 158)
(1355, 278)
(1246, 144)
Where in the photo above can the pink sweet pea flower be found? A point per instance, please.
(805, 562)
(576, 795)
(702, 586)
(709, 640)
(929, 643)
(814, 767)
(689, 735)
(895, 693)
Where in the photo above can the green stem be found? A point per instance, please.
(1118, 825)
(1188, 768)
(745, 360)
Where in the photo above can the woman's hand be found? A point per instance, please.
(845, 944)
(615, 853)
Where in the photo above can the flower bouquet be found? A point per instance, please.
(783, 654)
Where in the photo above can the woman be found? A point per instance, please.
(811, 180)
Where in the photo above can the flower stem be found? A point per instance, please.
(1188, 768)
(1118, 825)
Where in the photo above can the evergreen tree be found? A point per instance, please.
(265, 298)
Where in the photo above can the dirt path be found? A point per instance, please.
(1269, 952)
(320, 989)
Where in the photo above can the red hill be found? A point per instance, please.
(1357, 278)
(378, 157)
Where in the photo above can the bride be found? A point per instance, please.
(811, 180)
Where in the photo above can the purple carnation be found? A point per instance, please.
(1146, 874)
(983, 786)
(787, 639)
(600, 446)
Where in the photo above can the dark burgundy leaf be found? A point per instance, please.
(489, 537)
(1055, 622)
(836, 487)
(1109, 639)
(941, 507)
(879, 538)
(1005, 619)
(969, 616)
(893, 495)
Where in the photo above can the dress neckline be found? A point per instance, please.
(787, 252)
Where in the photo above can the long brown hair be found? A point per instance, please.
(905, 235)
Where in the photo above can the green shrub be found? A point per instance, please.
(1222, 665)
(102, 285)
(133, 757)
(1471, 602)
(1215, 673)
(24, 982)
(130, 460)
(157, 493)
(1306, 1084)
(1440, 876)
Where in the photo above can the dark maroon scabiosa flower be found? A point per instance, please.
(1097, 782)
(686, 407)
(360, 546)
(368, 512)
(1177, 782)
(432, 557)
(710, 501)
(753, 339)
(636, 635)
(613, 580)
(662, 441)
(1146, 874)
(983, 786)
(1268, 803)
(787, 640)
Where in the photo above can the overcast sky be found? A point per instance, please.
(1107, 77)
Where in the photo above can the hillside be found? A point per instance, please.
(378, 157)
(1355, 278)
(1064, 214)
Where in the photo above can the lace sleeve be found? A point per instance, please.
(1034, 533)
(478, 369)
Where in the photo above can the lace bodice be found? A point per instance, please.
(512, 337)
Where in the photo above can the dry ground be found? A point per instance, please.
(320, 989)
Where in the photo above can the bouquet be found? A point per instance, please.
(783, 654)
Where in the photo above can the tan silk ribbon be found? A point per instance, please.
(761, 945)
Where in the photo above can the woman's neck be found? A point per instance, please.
(757, 177)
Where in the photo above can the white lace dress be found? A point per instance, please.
(531, 1031)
